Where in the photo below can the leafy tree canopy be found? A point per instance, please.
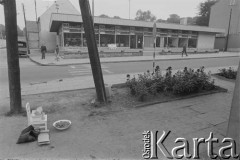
(145, 16)
(117, 17)
(173, 18)
(104, 16)
(3, 32)
(204, 12)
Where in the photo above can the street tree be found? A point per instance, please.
(204, 12)
(12, 55)
(3, 34)
(173, 18)
(145, 16)
(93, 50)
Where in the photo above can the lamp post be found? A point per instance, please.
(232, 3)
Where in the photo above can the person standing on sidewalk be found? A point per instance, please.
(184, 50)
(43, 51)
(57, 53)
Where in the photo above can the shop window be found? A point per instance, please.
(72, 39)
(172, 42)
(106, 39)
(192, 43)
(158, 41)
(122, 40)
(182, 42)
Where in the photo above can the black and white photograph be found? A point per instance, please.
(119, 79)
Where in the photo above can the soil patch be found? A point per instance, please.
(80, 101)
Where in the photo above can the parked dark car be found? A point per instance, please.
(22, 48)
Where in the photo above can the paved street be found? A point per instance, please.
(31, 73)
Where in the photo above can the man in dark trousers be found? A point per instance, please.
(184, 50)
(43, 51)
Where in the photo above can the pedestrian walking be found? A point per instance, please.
(184, 50)
(57, 53)
(43, 51)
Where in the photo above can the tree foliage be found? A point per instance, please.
(161, 21)
(104, 16)
(173, 18)
(3, 32)
(117, 17)
(145, 16)
(204, 12)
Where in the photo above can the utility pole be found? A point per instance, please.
(37, 22)
(12, 55)
(154, 44)
(229, 23)
(231, 4)
(93, 50)
(26, 33)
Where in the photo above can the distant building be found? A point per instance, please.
(184, 21)
(62, 24)
(32, 29)
(220, 18)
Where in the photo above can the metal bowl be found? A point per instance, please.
(56, 124)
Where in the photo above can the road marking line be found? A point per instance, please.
(78, 74)
(72, 66)
(79, 71)
(107, 71)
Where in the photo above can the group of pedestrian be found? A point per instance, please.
(44, 50)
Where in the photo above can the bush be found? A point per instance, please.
(228, 73)
(182, 83)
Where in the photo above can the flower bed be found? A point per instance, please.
(229, 73)
(182, 83)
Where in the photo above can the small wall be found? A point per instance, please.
(205, 41)
(234, 42)
(71, 55)
(48, 39)
(172, 51)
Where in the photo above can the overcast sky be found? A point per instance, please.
(160, 8)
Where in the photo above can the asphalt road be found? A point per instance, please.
(32, 73)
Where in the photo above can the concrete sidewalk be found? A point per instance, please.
(50, 60)
(75, 83)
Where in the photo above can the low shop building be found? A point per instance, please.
(131, 34)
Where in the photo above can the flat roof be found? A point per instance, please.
(58, 18)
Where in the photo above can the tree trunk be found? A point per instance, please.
(93, 50)
(12, 56)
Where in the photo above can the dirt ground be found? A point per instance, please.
(112, 131)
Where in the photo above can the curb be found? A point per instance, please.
(223, 78)
(142, 60)
(220, 89)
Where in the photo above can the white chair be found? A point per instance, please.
(39, 122)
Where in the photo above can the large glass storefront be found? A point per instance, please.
(192, 43)
(72, 39)
(72, 35)
(106, 39)
(122, 40)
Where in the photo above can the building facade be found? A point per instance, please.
(131, 34)
(225, 14)
(62, 24)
